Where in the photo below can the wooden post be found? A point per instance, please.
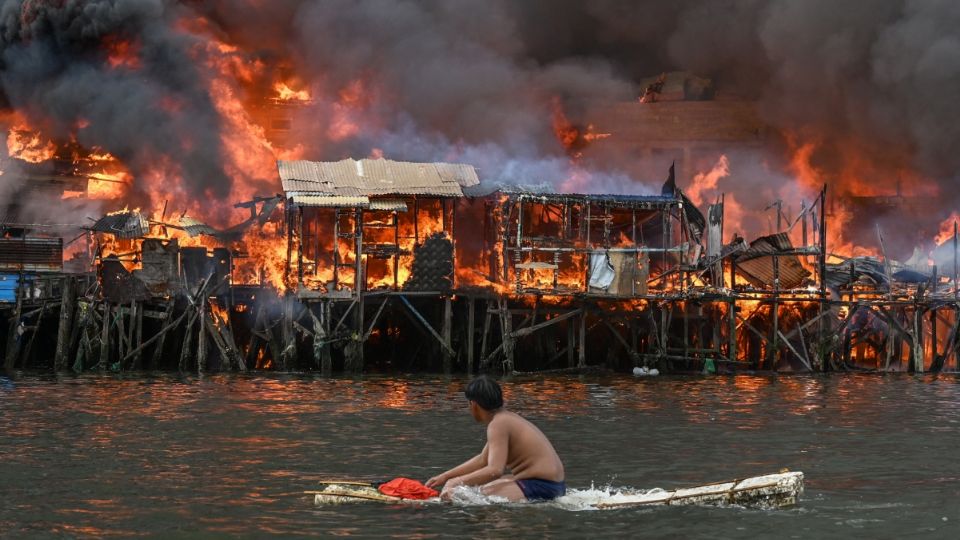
(775, 316)
(471, 321)
(361, 300)
(158, 349)
(571, 344)
(67, 302)
(300, 246)
(137, 359)
(33, 335)
(326, 367)
(289, 230)
(506, 327)
(202, 337)
(131, 330)
(253, 347)
(446, 332)
(821, 328)
(732, 352)
(105, 338)
(321, 349)
(186, 352)
(582, 350)
(289, 354)
(917, 340)
(933, 327)
(353, 350)
(13, 340)
(483, 338)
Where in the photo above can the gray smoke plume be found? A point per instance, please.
(54, 67)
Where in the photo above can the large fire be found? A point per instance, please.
(241, 85)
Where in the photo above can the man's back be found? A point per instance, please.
(529, 454)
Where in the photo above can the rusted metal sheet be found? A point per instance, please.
(756, 263)
(123, 225)
(32, 254)
(353, 178)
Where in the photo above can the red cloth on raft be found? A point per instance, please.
(406, 488)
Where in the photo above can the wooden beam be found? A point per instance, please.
(425, 324)
(65, 327)
(156, 337)
(550, 322)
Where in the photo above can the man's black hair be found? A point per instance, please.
(485, 392)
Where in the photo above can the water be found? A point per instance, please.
(230, 455)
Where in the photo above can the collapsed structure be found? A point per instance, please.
(387, 265)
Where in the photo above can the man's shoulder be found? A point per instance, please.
(505, 420)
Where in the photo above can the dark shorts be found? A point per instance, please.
(535, 489)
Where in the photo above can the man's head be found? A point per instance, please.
(484, 393)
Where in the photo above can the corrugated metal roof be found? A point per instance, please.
(33, 254)
(352, 178)
(388, 205)
(195, 227)
(329, 201)
(756, 263)
(123, 225)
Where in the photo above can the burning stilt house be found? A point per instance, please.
(358, 225)
(559, 244)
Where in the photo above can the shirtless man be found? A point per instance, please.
(536, 472)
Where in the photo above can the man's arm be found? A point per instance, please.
(496, 459)
(466, 467)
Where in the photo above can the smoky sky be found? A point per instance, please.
(54, 66)
(459, 76)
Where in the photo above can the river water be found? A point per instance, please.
(230, 455)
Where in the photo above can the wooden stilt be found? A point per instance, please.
(582, 341)
(13, 335)
(156, 337)
(353, 350)
(506, 325)
(732, 344)
(320, 345)
(68, 299)
(446, 332)
(138, 339)
(33, 335)
(571, 344)
(488, 316)
(132, 328)
(202, 337)
(289, 355)
(104, 362)
(186, 352)
(256, 336)
(918, 366)
(471, 321)
(157, 360)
